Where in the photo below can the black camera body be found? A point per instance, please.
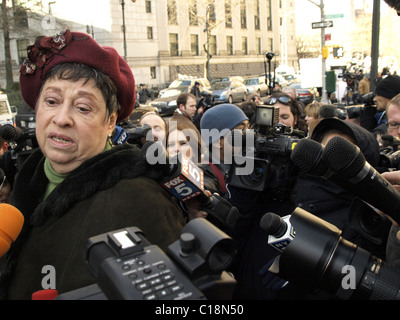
(273, 144)
(389, 156)
(128, 267)
(332, 263)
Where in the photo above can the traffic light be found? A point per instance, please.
(325, 52)
(338, 52)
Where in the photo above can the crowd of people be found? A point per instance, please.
(78, 184)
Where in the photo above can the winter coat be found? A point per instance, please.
(106, 193)
(331, 202)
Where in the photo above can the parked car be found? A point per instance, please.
(278, 78)
(7, 115)
(139, 111)
(229, 91)
(166, 102)
(289, 78)
(304, 95)
(230, 78)
(204, 84)
(256, 85)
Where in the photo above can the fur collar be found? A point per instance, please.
(99, 173)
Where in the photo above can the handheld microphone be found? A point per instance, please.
(10, 133)
(279, 229)
(11, 222)
(185, 180)
(350, 167)
(119, 136)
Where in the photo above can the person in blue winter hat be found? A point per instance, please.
(216, 126)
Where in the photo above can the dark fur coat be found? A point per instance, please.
(106, 193)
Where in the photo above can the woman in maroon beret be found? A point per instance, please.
(76, 185)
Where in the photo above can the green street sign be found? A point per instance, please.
(334, 16)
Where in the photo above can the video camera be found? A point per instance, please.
(128, 267)
(21, 143)
(389, 156)
(273, 144)
(315, 256)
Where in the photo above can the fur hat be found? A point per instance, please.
(70, 47)
(388, 87)
(220, 117)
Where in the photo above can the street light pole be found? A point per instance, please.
(207, 30)
(123, 26)
(322, 7)
(375, 44)
(324, 93)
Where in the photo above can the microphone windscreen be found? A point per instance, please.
(8, 132)
(11, 222)
(343, 157)
(273, 224)
(394, 4)
(307, 156)
(47, 294)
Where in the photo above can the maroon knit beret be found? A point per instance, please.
(67, 46)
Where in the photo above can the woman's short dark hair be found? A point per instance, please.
(78, 71)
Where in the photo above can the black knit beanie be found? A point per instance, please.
(388, 87)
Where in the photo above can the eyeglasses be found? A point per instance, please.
(393, 125)
(2, 183)
(273, 100)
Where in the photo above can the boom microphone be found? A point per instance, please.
(349, 165)
(11, 222)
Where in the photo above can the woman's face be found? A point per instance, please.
(71, 122)
(309, 119)
(178, 143)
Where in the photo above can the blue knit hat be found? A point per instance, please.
(220, 117)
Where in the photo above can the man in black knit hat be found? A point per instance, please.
(385, 90)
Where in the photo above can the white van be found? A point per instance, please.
(6, 115)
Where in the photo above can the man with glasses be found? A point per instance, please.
(289, 111)
(393, 116)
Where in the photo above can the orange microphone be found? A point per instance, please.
(11, 222)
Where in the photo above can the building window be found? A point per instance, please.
(194, 44)
(269, 15)
(193, 20)
(20, 16)
(173, 44)
(212, 14)
(213, 45)
(257, 14)
(149, 32)
(148, 6)
(271, 44)
(244, 45)
(243, 19)
(229, 45)
(172, 14)
(228, 14)
(258, 45)
(22, 44)
(153, 73)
